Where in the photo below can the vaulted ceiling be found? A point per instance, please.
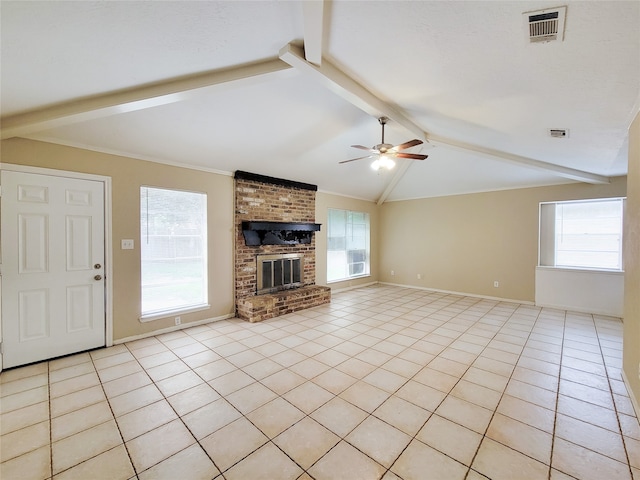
(283, 88)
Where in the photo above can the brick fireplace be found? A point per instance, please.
(260, 200)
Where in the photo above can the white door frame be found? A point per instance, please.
(108, 247)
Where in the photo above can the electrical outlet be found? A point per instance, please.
(393, 272)
(178, 320)
(419, 276)
(496, 284)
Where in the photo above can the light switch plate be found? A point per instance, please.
(126, 244)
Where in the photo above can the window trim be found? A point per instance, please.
(149, 317)
(542, 254)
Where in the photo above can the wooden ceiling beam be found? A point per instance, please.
(347, 88)
(356, 94)
(558, 170)
(314, 38)
(147, 96)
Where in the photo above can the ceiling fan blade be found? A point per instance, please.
(409, 144)
(359, 158)
(362, 147)
(412, 156)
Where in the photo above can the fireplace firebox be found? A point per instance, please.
(280, 272)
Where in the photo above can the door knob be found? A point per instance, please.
(97, 266)
(98, 277)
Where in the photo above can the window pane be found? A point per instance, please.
(586, 234)
(337, 223)
(173, 248)
(336, 265)
(347, 244)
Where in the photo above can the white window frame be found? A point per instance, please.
(547, 248)
(367, 259)
(150, 315)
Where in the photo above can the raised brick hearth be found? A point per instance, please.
(260, 198)
(263, 307)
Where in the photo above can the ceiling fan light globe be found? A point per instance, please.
(387, 162)
(384, 162)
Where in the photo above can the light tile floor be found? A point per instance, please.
(385, 382)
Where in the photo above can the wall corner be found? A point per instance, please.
(631, 327)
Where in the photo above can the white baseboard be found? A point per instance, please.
(463, 294)
(634, 401)
(173, 328)
(570, 308)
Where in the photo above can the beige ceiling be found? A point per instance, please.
(225, 86)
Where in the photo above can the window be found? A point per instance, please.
(173, 245)
(347, 245)
(582, 234)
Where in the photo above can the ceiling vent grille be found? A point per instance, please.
(558, 132)
(545, 25)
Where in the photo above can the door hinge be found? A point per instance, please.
(1, 348)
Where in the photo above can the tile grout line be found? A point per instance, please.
(307, 415)
(51, 442)
(124, 444)
(555, 410)
(222, 397)
(495, 410)
(414, 437)
(171, 406)
(269, 440)
(610, 391)
(613, 400)
(462, 375)
(343, 438)
(370, 414)
(454, 385)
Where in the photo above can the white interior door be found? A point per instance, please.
(53, 288)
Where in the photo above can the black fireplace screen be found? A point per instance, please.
(279, 272)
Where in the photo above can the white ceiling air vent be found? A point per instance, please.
(545, 25)
(558, 132)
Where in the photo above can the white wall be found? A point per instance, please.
(631, 335)
(580, 290)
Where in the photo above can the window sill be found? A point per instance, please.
(170, 313)
(581, 270)
(348, 278)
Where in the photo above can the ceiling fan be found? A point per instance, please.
(386, 152)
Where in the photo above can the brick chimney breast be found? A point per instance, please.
(259, 198)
